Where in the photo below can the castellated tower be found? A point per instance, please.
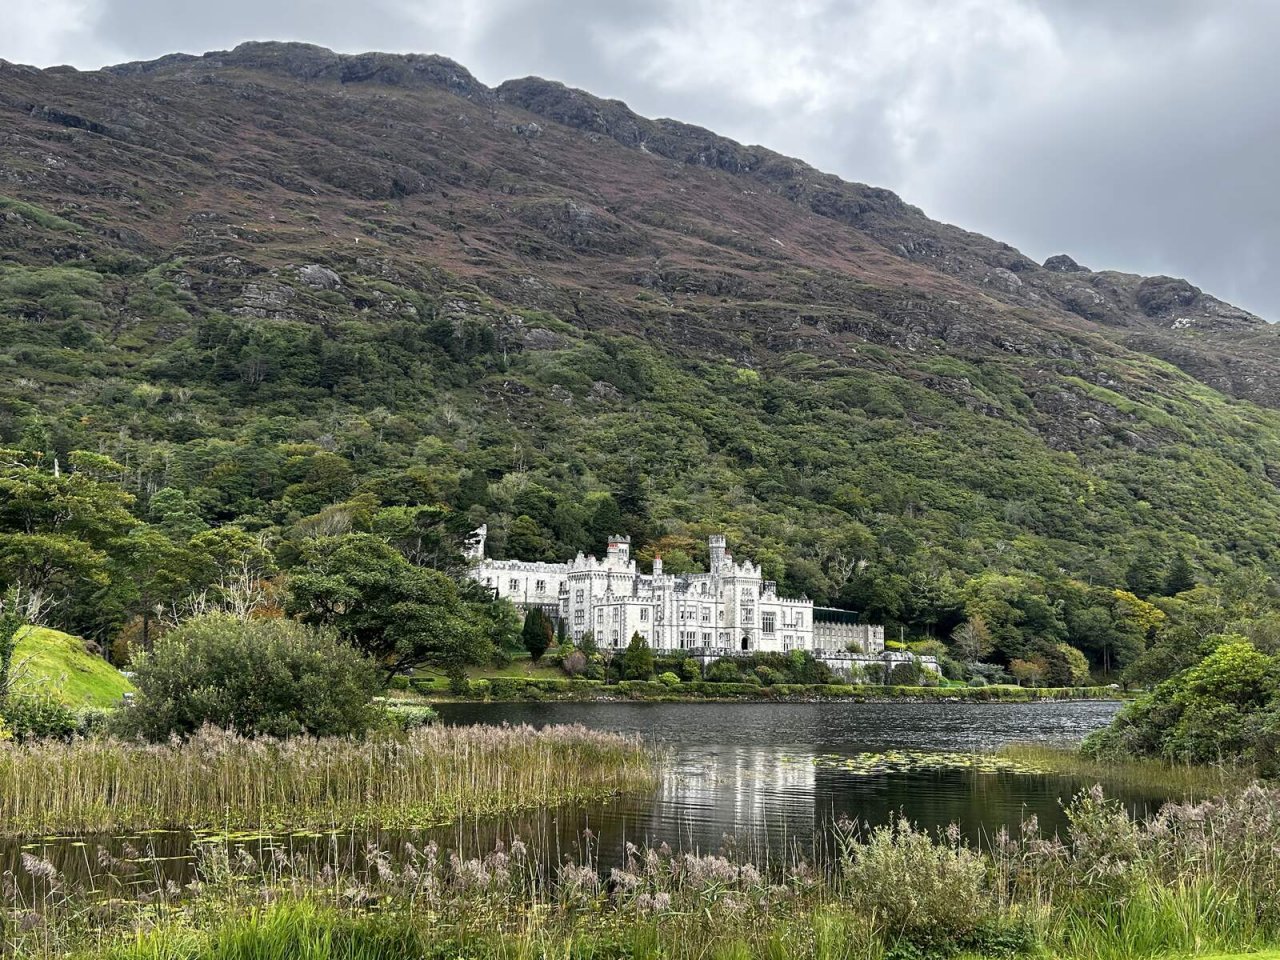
(716, 546)
(619, 549)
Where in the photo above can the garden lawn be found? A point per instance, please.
(522, 667)
(60, 664)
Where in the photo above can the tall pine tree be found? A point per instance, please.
(1180, 576)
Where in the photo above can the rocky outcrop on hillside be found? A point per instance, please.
(275, 155)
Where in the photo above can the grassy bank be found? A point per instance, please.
(516, 687)
(1193, 880)
(216, 779)
(58, 663)
(304, 929)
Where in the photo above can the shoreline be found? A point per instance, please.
(521, 690)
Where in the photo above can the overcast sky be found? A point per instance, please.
(1141, 135)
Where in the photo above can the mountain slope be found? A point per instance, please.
(283, 280)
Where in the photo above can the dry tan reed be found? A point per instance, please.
(220, 780)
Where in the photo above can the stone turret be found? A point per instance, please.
(715, 546)
(473, 547)
(619, 548)
(657, 565)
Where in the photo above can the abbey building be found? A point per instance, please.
(729, 609)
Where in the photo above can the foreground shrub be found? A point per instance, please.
(574, 663)
(724, 670)
(273, 677)
(920, 888)
(906, 674)
(409, 716)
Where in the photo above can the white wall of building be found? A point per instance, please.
(728, 608)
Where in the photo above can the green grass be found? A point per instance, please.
(291, 930)
(59, 663)
(519, 667)
(37, 215)
(1179, 779)
(310, 931)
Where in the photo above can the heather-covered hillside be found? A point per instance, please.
(298, 292)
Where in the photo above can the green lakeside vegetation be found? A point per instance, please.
(1184, 780)
(1194, 879)
(425, 776)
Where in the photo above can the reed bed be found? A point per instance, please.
(220, 780)
(1191, 880)
(1186, 781)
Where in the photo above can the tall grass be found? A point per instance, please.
(1193, 879)
(218, 779)
(1162, 777)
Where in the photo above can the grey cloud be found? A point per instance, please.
(152, 28)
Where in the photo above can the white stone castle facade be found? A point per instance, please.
(731, 609)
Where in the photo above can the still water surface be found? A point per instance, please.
(738, 777)
(746, 774)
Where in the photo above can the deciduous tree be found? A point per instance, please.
(399, 614)
(637, 659)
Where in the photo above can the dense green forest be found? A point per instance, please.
(220, 346)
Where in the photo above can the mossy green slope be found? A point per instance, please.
(59, 663)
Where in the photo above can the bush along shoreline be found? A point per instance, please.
(517, 689)
(1192, 879)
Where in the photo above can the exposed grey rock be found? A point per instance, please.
(602, 391)
(1006, 280)
(1159, 295)
(322, 278)
(264, 298)
(1061, 263)
(538, 338)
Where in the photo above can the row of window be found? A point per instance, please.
(768, 621)
(539, 586)
(703, 614)
(690, 638)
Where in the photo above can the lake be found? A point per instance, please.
(767, 777)
(764, 780)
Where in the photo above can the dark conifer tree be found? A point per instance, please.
(1179, 576)
(536, 633)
